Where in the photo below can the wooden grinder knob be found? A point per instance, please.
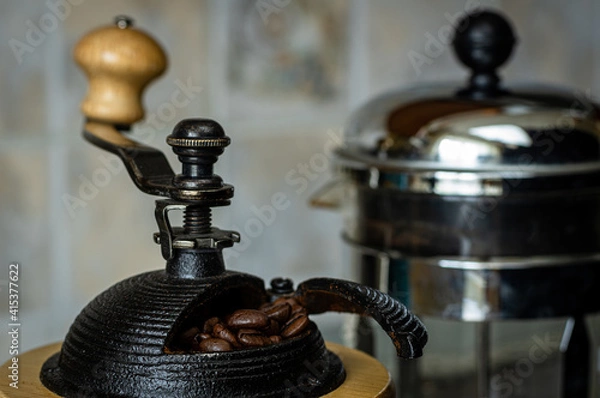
(120, 62)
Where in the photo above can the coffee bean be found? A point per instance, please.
(298, 309)
(190, 334)
(280, 312)
(273, 328)
(210, 324)
(248, 319)
(221, 332)
(215, 345)
(295, 326)
(252, 338)
(275, 339)
(190, 338)
(246, 328)
(290, 300)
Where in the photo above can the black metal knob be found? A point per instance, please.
(483, 41)
(198, 144)
(282, 286)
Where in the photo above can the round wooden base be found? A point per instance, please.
(365, 376)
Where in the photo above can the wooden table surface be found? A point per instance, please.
(365, 376)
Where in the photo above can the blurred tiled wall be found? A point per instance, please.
(280, 75)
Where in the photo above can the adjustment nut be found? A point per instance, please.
(199, 142)
(198, 133)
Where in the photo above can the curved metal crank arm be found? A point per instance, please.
(404, 329)
(147, 166)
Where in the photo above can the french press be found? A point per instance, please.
(126, 342)
(478, 205)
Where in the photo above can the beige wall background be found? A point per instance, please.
(281, 76)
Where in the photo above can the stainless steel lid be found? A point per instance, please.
(452, 139)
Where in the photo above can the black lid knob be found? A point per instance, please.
(198, 144)
(282, 286)
(483, 41)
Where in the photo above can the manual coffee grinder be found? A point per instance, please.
(195, 329)
(478, 205)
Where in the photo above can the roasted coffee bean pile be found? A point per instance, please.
(272, 323)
